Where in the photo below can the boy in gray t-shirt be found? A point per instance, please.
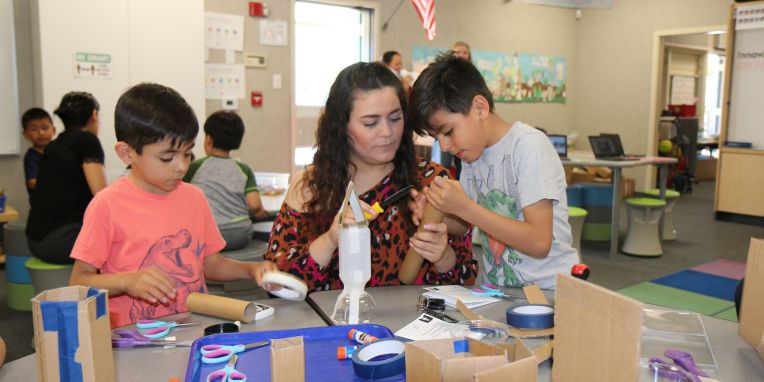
(228, 184)
(512, 181)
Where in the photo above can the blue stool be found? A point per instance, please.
(597, 200)
(575, 194)
(19, 283)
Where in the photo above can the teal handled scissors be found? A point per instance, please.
(490, 290)
(228, 373)
(222, 353)
(158, 329)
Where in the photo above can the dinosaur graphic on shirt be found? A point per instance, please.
(167, 254)
(500, 258)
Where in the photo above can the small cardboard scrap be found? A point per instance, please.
(288, 360)
(466, 359)
(72, 335)
(751, 312)
(597, 333)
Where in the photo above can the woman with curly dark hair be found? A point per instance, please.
(362, 137)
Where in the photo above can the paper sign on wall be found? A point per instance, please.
(92, 65)
(224, 81)
(273, 32)
(223, 31)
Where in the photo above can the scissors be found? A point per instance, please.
(222, 353)
(491, 290)
(159, 329)
(228, 373)
(683, 367)
(128, 339)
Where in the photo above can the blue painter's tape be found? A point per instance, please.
(530, 316)
(100, 301)
(366, 367)
(462, 346)
(61, 317)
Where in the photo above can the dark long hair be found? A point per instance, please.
(331, 168)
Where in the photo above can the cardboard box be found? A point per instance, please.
(466, 359)
(751, 313)
(288, 360)
(72, 335)
(597, 333)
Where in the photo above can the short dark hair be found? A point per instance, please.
(76, 109)
(450, 83)
(387, 57)
(33, 114)
(226, 130)
(148, 113)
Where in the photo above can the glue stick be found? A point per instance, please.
(345, 352)
(361, 337)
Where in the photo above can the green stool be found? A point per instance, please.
(46, 276)
(19, 296)
(643, 236)
(576, 217)
(669, 232)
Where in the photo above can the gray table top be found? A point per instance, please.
(579, 158)
(396, 307)
(158, 364)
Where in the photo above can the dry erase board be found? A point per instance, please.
(746, 116)
(10, 130)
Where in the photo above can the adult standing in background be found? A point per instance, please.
(71, 172)
(394, 61)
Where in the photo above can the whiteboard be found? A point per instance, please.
(10, 127)
(746, 116)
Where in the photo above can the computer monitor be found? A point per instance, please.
(560, 143)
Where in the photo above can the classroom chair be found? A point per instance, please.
(597, 200)
(643, 236)
(669, 231)
(19, 284)
(47, 276)
(576, 217)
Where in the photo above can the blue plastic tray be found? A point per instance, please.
(321, 363)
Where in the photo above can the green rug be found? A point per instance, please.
(661, 295)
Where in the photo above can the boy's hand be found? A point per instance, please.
(447, 196)
(258, 269)
(150, 284)
(431, 243)
(416, 205)
(261, 214)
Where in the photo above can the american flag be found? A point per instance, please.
(426, 11)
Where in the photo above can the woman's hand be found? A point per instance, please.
(348, 218)
(432, 242)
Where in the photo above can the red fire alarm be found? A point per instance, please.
(258, 9)
(257, 99)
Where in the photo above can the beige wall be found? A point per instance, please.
(267, 140)
(613, 64)
(494, 25)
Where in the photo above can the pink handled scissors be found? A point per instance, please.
(227, 373)
(222, 353)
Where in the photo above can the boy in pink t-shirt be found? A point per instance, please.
(149, 238)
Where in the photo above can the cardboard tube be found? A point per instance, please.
(413, 262)
(222, 307)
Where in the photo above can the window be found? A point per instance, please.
(712, 114)
(328, 37)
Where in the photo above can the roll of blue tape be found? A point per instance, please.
(530, 316)
(367, 368)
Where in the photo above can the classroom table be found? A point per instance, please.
(396, 307)
(158, 364)
(577, 158)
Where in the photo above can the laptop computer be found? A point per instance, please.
(618, 146)
(560, 143)
(605, 148)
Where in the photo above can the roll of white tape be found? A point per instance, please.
(292, 288)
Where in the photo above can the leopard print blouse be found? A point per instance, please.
(294, 231)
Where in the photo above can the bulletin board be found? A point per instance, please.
(10, 130)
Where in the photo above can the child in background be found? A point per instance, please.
(229, 185)
(38, 129)
(512, 185)
(149, 238)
